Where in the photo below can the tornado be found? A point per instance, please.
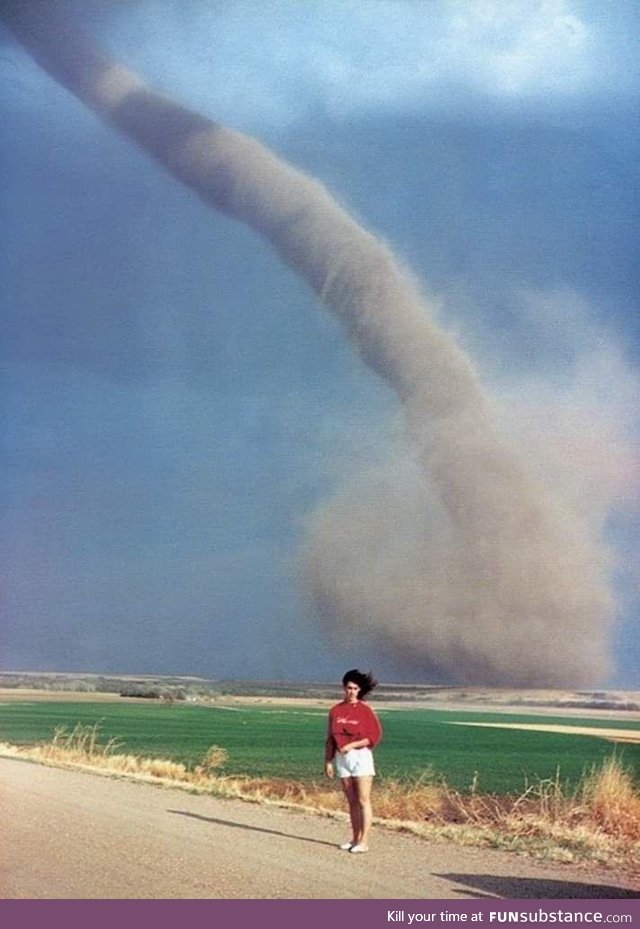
(463, 565)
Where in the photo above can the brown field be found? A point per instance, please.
(619, 704)
(32, 695)
(612, 735)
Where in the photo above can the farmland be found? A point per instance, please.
(285, 741)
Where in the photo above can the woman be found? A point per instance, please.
(354, 729)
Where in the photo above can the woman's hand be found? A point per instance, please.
(328, 770)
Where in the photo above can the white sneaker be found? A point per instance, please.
(347, 846)
(358, 849)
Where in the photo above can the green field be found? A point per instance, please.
(288, 742)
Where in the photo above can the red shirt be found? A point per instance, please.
(351, 722)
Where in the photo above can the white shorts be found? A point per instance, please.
(356, 763)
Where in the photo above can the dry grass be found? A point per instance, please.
(598, 822)
(214, 758)
(613, 804)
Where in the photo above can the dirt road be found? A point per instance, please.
(67, 834)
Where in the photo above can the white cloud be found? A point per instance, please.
(262, 64)
(522, 46)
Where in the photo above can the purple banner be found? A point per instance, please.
(318, 914)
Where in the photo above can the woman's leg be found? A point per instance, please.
(363, 798)
(351, 792)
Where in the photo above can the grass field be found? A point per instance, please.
(270, 741)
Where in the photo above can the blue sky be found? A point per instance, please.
(177, 403)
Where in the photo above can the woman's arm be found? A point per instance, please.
(370, 730)
(329, 743)
(329, 751)
(371, 727)
(361, 743)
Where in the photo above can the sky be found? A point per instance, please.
(177, 405)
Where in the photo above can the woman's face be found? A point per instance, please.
(351, 692)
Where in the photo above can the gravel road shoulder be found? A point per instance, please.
(71, 835)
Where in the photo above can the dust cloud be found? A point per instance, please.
(453, 558)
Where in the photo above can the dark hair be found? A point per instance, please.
(366, 682)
